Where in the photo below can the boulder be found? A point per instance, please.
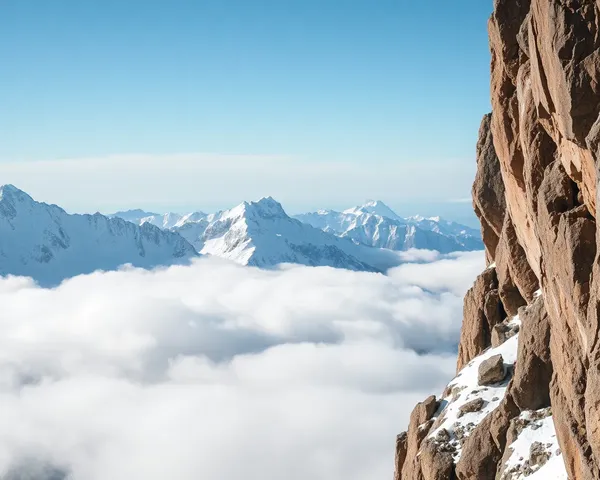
(491, 370)
(472, 406)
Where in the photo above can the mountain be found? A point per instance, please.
(164, 221)
(263, 235)
(45, 242)
(133, 216)
(376, 225)
(375, 207)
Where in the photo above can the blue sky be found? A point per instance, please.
(365, 84)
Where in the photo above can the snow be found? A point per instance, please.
(536, 426)
(516, 320)
(553, 470)
(375, 207)
(537, 430)
(262, 234)
(45, 242)
(376, 225)
(48, 244)
(372, 224)
(465, 388)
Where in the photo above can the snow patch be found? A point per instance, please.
(537, 436)
(464, 389)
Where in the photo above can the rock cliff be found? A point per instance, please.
(526, 399)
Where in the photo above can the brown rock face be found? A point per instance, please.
(491, 370)
(488, 189)
(531, 382)
(516, 281)
(401, 449)
(483, 449)
(482, 311)
(535, 194)
(419, 426)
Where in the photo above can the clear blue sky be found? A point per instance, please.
(364, 82)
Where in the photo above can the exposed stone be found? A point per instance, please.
(472, 406)
(502, 332)
(401, 449)
(480, 455)
(516, 281)
(483, 448)
(482, 311)
(442, 435)
(491, 370)
(418, 428)
(488, 189)
(531, 380)
(538, 455)
(437, 463)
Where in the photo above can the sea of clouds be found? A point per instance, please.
(216, 371)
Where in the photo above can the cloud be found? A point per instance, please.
(461, 200)
(218, 371)
(214, 181)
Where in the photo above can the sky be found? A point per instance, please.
(319, 103)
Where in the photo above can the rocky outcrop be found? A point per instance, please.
(535, 194)
(491, 370)
(488, 190)
(483, 308)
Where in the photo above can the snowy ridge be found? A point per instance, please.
(373, 224)
(377, 225)
(165, 221)
(261, 234)
(45, 242)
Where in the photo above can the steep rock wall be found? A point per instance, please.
(535, 194)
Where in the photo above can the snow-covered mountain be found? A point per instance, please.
(45, 242)
(262, 234)
(375, 224)
(166, 221)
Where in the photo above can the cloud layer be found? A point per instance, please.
(217, 371)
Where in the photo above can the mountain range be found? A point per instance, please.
(376, 225)
(373, 224)
(47, 243)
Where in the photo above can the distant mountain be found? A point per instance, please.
(376, 225)
(133, 216)
(164, 221)
(45, 242)
(263, 235)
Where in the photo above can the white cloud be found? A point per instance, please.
(217, 371)
(212, 181)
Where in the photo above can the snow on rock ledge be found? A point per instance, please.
(533, 451)
(453, 423)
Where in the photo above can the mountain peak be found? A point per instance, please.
(375, 203)
(267, 205)
(12, 193)
(376, 207)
